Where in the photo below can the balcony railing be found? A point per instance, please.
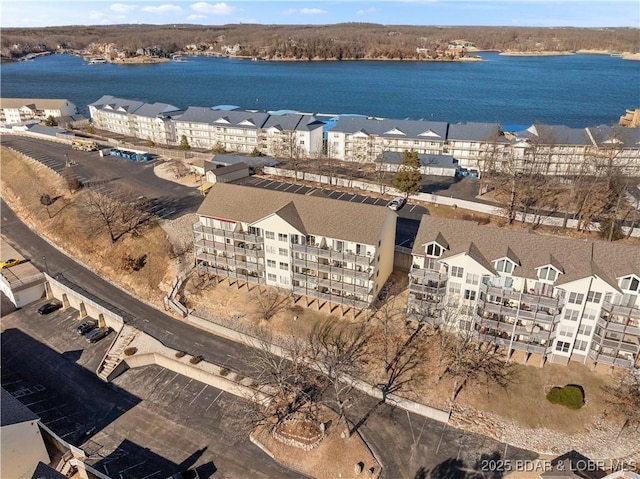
(422, 274)
(214, 259)
(334, 255)
(627, 326)
(230, 274)
(333, 269)
(426, 289)
(607, 359)
(253, 250)
(510, 308)
(336, 299)
(202, 229)
(530, 298)
(616, 309)
(618, 344)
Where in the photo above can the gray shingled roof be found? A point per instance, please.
(235, 119)
(418, 129)
(475, 132)
(572, 256)
(234, 158)
(37, 103)
(117, 104)
(42, 471)
(358, 222)
(602, 134)
(13, 411)
(555, 135)
(223, 170)
(152, 110)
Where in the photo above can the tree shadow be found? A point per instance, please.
(72, 356)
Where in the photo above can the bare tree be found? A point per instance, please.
(46, 200)
(71, 179)
(270, 301)
(624, 398)
(116, 215)
(339, 351)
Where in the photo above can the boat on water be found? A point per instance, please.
(178, 58)
(97, 61)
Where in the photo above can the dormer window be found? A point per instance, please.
(547, 273)
(434, 250)
(505, 265)
(630, 283)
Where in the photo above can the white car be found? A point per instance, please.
(396, 203)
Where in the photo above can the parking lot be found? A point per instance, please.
(150, 422)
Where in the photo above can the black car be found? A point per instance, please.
(97, 334)
(85, 327)
(49, 308)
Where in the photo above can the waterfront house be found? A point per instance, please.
(541, 298)
(320, 250)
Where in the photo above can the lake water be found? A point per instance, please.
(576, 90)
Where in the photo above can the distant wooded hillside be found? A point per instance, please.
(340, 41)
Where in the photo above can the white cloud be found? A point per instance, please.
(213, 8)
(311, 11)
(162, 9)
(364, 11)
(121, 7)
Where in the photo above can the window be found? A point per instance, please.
(271, 263)
(284, 279)
(589, 313)
(566, 331)
(455, 288)
(630, 283)
(593, 297)
(271, 277)
(576, 298)
(584, 329)
(271, 249)
(469, 294)
(361, 249)
(434, 250)
(283, 251)
(269, 235)
(432, 264)
(504, 266)
(571, 314)
(338, 245)
(254, 231)
(580, 345)
(282, 237)
(225, 225)
(562, 346)
(284, 266)
(547, 273)
(457, 272)
(472, 278)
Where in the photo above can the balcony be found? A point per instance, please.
(230, 274)
(608, 359)
(346, 301)
(427, 289)
(620, 344)
(626, 311)
(252, 250)
(628, 326)
(423, 274)
(535, 301)
(234, 262)
(334, 255)
(510, 308)
(199, 228)
(333, 269)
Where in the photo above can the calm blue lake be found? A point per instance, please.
(577, 90)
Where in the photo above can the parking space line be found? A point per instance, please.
(340, 196)
(212, 402)
(198, 395)
(152, 474)
(298, 189)
(365, 199)
(289, 186)
(413, 207)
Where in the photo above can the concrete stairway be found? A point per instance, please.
(115, 354)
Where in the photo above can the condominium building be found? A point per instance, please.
(292, 135)
(472, 143)
(361, 139)
(550, 298)
(323, 250)
(148, 121)
(21, 110)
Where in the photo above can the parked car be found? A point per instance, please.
(97, 334)
(9, 263)
(86, 326)
(48, 308)
(396, 203)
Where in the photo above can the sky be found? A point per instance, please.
(542, 13)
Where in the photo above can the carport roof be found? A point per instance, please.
(13, 411)
(357, 222)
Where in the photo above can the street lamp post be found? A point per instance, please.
(46, 268)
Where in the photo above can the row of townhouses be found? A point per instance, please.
(555, 299)
(536, 296)
(479, 147)
(21, 110)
